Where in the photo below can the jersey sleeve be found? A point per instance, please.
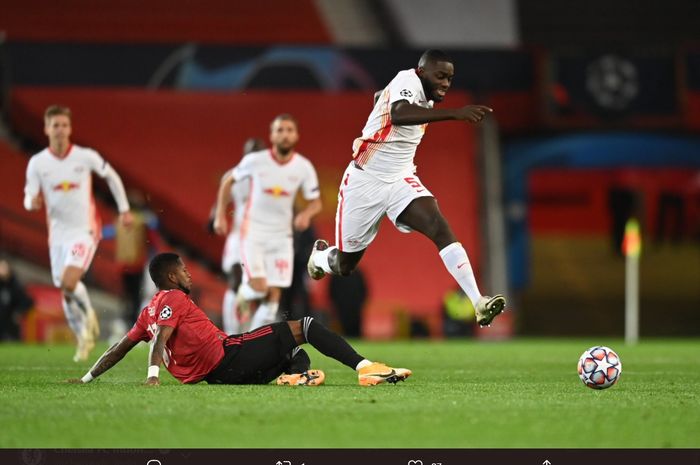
(171, 309)
(309, 184)
(138, 332)
(32, 185)
(244, 169)
(405, 86)
(96, 163)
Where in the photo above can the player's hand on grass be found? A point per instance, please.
(153, 381)
(472, 113)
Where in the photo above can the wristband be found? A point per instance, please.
(153, 371)
(87, 378)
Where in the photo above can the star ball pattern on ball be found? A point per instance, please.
(599, 367)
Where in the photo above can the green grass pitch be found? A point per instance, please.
(463, 394)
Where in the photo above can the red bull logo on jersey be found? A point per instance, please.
(66, 186)
(276, 191)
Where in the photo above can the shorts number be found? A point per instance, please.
(414, 183)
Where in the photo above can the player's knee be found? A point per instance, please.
(259, 285)
(68, 284)
(438, 230)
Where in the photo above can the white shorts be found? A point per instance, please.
(364, 200)
(271, 258)
(232, 252)
(78, 252)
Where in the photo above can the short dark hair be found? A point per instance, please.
(433, 56)
(285, 117)
(161, 265)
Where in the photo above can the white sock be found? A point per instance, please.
(457, 263)
(264, 315)
(77, 319)
(362, 364)
(80, 295)
(228, 313)
(321, 259)
(248, 293)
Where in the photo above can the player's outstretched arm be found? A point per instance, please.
(223, 197)
(110, 358)
(116, 186)
(407, 114)
(156, 357)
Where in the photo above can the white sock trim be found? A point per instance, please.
(321, 259)
(362, 364)
(457, 263)
(449, 248)
(249, 293)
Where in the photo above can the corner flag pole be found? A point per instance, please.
(632, 248)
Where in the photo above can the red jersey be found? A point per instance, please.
(194, 348)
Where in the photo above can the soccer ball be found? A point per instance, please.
(599, 367)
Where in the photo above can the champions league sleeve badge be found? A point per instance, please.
(166, 313)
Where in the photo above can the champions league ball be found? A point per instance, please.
(599, 367)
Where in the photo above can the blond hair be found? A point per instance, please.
(55, 110)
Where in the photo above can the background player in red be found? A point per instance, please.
(381, 181)
(193, 349)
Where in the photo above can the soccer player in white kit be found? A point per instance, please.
(275, 176)
(231, 259)
(381, 180)
(60, 176)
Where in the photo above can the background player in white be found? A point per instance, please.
(61, 177)
(231, 259)
(381, 180)
(275, 177)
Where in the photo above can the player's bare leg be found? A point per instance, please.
(424, 216)
(79, 312)
(329, 260)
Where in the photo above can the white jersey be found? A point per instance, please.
(273, 188)
(384, 150)
(66, 186)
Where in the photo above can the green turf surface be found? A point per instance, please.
(524, 393)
